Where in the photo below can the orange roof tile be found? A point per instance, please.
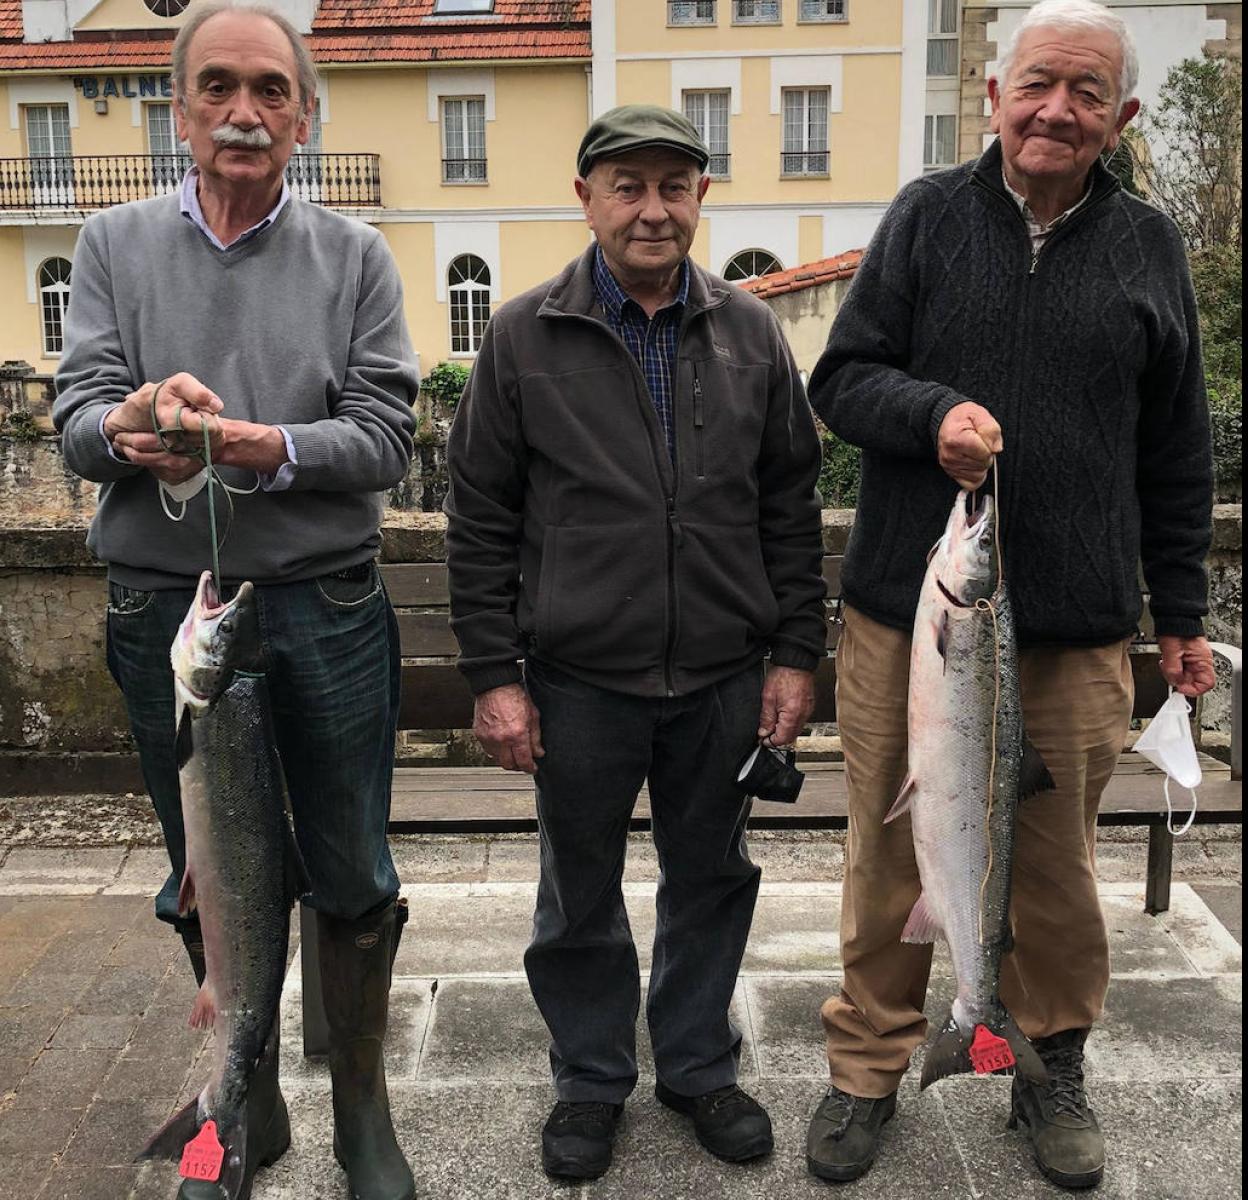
(10, 19)
(826, 270)
(345, 31)
(391, 14)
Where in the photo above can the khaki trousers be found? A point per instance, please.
(1077, 708)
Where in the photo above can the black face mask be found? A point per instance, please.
(770, 774)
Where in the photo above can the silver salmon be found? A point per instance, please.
(243, 871)
(970, 764)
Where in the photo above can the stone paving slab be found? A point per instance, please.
(95, 1053)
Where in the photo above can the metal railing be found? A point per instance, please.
(463, 170)
(344, 180)
(813, 162)
(691, 12)
(719, 166)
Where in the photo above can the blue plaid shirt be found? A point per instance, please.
(651, 341)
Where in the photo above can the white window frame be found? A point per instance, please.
(823, 12)
(684, 13)
(306, 169)
(471, 295)
(809, 146)
(450, 104)
(53, 303)
(940, 38)
(171, 159)
(757, 12)
(931, 141)
(51, 153)
(740, 275)
(720, 149)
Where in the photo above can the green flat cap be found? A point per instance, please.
(633, 126)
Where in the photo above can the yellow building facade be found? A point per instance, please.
(452, 126)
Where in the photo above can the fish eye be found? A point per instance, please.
(227, 626)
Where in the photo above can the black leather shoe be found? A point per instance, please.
(844, 1134)
(577, 1139)
(728, 1122)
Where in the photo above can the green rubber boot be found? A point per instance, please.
(356, 959)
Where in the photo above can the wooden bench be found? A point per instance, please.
(488, 800)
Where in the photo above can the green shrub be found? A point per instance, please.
(20, 426)
(838, 480)
(1218, 276)
(445, 383)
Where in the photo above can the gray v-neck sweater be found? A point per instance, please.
(1088, 356)
(301, 326)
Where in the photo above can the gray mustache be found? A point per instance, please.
(247, 139)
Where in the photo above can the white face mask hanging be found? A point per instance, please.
(1167, 742)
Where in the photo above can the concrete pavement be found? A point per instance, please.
(95, 1053)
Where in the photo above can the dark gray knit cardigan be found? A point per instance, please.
(1089, 357)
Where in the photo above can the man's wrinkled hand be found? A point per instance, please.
(1187, 664)
(969, 438)
(788, 701)
(508, 726)
(129, 425)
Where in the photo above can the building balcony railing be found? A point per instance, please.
(339, 180)
(809, 162)
(719, 166)
(464, 170)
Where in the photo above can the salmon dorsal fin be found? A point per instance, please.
(1033, 775)
(921, 926)
(905, 798)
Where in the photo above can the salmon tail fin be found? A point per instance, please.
(170, 1139)
(234, 1162)
(996, 1046)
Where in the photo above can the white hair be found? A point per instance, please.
(1075, 15)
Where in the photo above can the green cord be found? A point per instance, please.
(203, 452)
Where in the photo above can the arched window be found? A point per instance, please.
(54, 302)
(167, 8)
(750, 264)
(469, 280)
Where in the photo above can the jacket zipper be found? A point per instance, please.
(699, 420)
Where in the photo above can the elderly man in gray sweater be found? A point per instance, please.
(276, 328)
(1022, 306)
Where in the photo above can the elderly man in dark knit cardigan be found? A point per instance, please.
(1022, 306)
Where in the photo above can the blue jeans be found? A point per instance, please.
(601, 746)
(331, 651)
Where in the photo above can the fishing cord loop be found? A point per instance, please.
(986, 605)
(173, 441)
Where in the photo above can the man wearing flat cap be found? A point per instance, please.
(633, 530)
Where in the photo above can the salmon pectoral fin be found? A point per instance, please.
(184, 742)
(922, 926)
(995, 1047)
(905, 798)
(204, 1011)
(1033, 775)
(186, 894)
(170, 1139)
(298, 883)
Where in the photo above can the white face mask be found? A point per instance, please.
(1168, 743)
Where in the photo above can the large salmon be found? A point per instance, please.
(970, 764)
(243, 870)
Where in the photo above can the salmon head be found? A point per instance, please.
(215, 640)
(966, 562)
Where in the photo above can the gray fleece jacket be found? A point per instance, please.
(572, 535)
(300, 326)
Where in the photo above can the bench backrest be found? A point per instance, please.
(436, 697)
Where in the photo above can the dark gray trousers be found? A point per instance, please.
(601, 746)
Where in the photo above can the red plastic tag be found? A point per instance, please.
(202, 1155)
(990, 1053)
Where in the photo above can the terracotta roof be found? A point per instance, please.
(392, 14)
(10, 19)
(826, 270)
(346, 31)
